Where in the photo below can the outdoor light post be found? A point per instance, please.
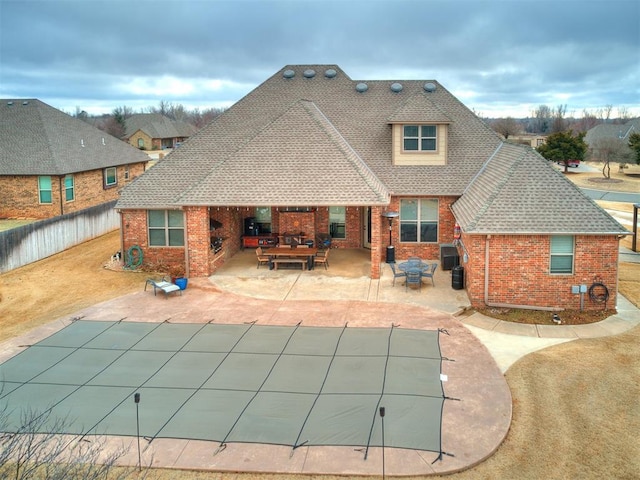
(382, 422)
(391, 254)
(136, 399)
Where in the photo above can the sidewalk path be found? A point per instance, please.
(508, 342)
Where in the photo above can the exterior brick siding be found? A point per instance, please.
(20, 197)
(519, 271)
(430, 251)
(519, 264)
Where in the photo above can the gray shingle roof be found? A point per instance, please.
(37, 139)
(608, 130)
(519, 192)
(158, 126)
(361, 119)
(320, 141)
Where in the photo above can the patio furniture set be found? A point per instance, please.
(413, 271)
(285, 255)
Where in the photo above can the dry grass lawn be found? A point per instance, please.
(576, 411)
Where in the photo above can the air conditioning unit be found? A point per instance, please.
(449, 257)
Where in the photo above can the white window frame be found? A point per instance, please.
(420, 138)
(42, 190)
(263, 218)
(69, 186)
(172, 228)
(561, 249)
(420, 221)
(106, 177)
(338, 222)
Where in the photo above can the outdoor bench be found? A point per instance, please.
(289, 261)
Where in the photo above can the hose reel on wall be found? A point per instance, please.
(598, 292)
(134, 257)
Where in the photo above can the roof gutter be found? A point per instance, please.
(504, 305)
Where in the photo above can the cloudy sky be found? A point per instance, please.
(500, 57)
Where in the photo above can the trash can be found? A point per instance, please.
(391, 254)
(457, 277)
(182, 283)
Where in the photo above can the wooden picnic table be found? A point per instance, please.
(280, 252)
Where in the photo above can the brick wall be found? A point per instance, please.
(519, 270)
(429, 251)
(377, 240)
(20, 193)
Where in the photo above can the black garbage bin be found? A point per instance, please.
(391, 254)
(457, 277)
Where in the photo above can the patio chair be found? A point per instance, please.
(322, 257)
(429, 273)
(396, 273)
(414, 277)
(323, 240)
(414, 261)
(163, 284)
(262, 258)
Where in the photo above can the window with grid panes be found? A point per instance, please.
(419, 220)
(562, 254)
(419, 138)
(166, 228)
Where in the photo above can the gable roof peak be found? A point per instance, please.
(418, 108)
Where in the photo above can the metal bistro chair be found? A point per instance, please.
(396, 273)
(414, 277)
(430, 272)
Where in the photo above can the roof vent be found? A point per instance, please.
(10, 104)
(330, 73)
(429, 87)
(26, 102)
(103, 141)
(396, 87)
(289, 74)
(309, 73)
(82, 142)
(362, 87)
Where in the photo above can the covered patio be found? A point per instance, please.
(347, 278)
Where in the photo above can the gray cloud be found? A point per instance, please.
(499, 57)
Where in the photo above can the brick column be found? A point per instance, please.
(376, 241)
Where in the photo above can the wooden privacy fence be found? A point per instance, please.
(35, 241)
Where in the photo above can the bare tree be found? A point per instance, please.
(559, 123)
(38, 448)
(587, 122)
(542, 122)
(507, 126)
(607, 150)
(624, 114)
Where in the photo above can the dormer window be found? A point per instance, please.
(419, 144)
(420, 138)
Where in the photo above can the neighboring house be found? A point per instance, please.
(52, 163)
(311, 150)
(153, 131)
(615, 131)
(534, 141)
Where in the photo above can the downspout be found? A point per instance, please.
(60, 191)
(186, 247)
(504, 305)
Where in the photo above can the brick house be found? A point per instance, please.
(52, 163)
(153, 131)
(311, 150)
